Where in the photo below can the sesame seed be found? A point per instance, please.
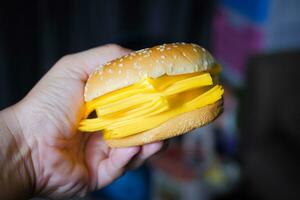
(175, 57)
(194, 49)
(130, 57)
(140, 73)
(161, 50)
(203, 49)
(99, 69)
(108, 63)
(183, 54)
(121, 60)
(120, 65)
(162, 57)
(119, 72)
(109, 70)
(168, 48)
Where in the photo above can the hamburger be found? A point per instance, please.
(153, 94)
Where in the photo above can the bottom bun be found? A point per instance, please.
(173, 127)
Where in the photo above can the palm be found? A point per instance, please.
(77, 165)
(68, 162)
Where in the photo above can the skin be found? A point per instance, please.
(43, 154)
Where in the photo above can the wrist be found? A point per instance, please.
(17, 177)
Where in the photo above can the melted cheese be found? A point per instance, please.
(149, 103)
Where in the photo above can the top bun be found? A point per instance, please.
(170, 59)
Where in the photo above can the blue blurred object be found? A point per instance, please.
(255, 10)
(133, 185)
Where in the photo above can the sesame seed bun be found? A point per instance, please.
(170, 59)
(176, 126)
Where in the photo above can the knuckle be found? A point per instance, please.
(66, 58)
(115, 47)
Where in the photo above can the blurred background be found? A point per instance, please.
(251, 152)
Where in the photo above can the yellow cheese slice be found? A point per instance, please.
(189, 83)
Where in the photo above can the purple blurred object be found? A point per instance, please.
(233, 43)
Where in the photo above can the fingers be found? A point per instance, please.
(84, 63)
(146, 151)
(105, 164)
(120, 159)
(113, 167)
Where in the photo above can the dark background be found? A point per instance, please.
(34, 34)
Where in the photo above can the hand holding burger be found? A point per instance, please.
(41, 150)
(139, 99)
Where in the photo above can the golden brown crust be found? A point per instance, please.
(177, 126)
(170, 59)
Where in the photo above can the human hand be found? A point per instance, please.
(59, 160)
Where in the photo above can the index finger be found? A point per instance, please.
(85, 62)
